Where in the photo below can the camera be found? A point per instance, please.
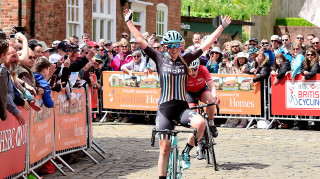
(223, 64)
(12, 36)
(65, 57)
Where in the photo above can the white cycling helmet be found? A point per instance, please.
(195, 63)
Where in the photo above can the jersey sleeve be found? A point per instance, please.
(205, 73)
(189, 57)
(153, 54)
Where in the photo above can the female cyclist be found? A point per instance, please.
(173, 70)
(201, 87)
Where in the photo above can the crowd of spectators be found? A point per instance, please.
(30, 68)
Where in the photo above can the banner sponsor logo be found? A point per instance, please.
(303, 95)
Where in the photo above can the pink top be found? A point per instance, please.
(117, 62)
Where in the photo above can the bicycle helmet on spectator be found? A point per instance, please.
(195, 63)
(172, 36)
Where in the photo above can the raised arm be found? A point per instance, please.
(209, 41)
(135, 32)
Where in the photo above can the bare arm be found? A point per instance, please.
(135, 32)
(212, 88)
(25, 48)
(207, 43)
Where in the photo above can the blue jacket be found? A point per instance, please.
(297, 63)
(270, 54)
(46, 97)
(285, 52)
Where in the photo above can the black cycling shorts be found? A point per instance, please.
(193, 97)
(172, 112)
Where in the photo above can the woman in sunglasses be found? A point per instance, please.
(310, 65)
(136, 65)
(215, 59)
(123, 57)
(173, 71)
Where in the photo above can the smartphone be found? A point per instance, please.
(65, 57)
(12, 36)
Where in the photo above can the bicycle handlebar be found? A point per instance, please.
(167, 131)
(206, 105)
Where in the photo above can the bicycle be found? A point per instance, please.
(174, 168)
(207, 141)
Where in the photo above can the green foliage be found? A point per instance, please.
(237, 9)
(293, 22)
(245, 36)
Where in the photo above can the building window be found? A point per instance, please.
(139, 14)
(104, 20)
(74, 18)
(162, 19)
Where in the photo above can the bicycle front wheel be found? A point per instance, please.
(211, 155)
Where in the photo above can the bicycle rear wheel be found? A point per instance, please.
(210, 146)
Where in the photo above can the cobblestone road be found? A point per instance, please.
(240, 153)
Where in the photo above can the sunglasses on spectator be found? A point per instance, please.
(235, 46)
(101, 50)
(315, 43)
(265, 43)
(273, 40)
(171, 46)
(107, 45)
(300, 38)
(194, 69)
(136, 56)
(296, 49)
(124, 46)
(156, 47)
(214, 53)
(310, 54)
(32, 57)
(116, 46)
(252, 44)
(67, 50)
(285, 39)
(124, 35)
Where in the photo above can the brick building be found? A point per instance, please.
(50, 20)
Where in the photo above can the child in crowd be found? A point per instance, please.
(42, 67)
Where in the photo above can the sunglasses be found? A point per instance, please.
(300, 38)
(107, 45)
(86, 52)
(156, 47)
(295, 49)
(124, 46)
(265, 43)
(116, 46)
(235, 46)
(67, 50)
(136, 56)
(32, 57)
(171, 46)
(252, 44)
(315, 43)
(194, 69)
(273, 40)
(214, 53)
(310, 54)
(124, 35)
(285, 39)
(101, 50)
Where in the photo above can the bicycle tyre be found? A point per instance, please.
(174, 162)
(205, 145)
(210, 145)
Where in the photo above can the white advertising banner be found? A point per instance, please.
(303, 95)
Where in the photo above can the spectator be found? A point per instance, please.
(226, 67)
(310, 65)
(45, 49)
(116, 48)
(253, 42)
(125, 35)
(286, 47)
(252, 54)
(241, 63)
(41, 73)
(300, 40)
(215, 59)
(122, 58)
(310, 38)
(151, 65)
(196, 42)
(297, 61)
(74, 40)
(146, 36)
(275, 43)
(246, 47)
(105, 58)
(75, 53)
(36, 47)
(3, 80)
(235, 47)
(134, 46)
(265, 47)
(101, 43)
(280, 67)
(261, 67)
(316, 45)
(6, 64)
(182, 46)
(108, 45)
(86, 38)
(136, 65)
(225, 47)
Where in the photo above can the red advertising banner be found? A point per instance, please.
(299, 98)
(70, 120)
(13, 144)
(139, 92)
(41, 132)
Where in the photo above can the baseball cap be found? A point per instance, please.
(33, 43)
(108, 42)
(93, 44)
(64, 45)
(98, 58)
(44, 46)
(55, 43)
(241, 54)
(253, 50)
(254, 39)
(216, 49)
(75, 47)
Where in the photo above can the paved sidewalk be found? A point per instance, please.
(240, 153)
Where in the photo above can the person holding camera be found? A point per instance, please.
(226, 67)
(215, 59)
(267, 50)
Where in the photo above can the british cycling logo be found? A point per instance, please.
(303, 95)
